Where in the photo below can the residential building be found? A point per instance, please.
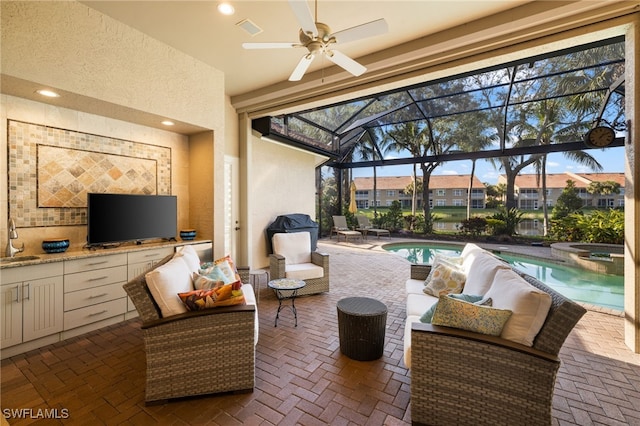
(444, 191)
(529, 193)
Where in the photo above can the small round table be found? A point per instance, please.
(361, 327)
(286, 289)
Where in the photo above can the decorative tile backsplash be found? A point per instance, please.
(65, 176)
(51, 170)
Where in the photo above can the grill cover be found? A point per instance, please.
(296, 222)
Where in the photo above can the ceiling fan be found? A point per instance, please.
(319, 40)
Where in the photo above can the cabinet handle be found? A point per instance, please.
(97, 313)
(97, 295)
(17, 299)
(28, 287)
(98, 263)
(98, 278)
(150, 255)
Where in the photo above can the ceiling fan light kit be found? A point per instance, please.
(318, 39)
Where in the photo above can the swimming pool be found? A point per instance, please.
(575, 283)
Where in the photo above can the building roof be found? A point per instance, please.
(559, 180)
(401, 182)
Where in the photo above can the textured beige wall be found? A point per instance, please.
(72, 47)
(35, 112)
(282, 181)
(201, 175)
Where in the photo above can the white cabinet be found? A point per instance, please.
(31, 303)
(93, 289)
(140, 262)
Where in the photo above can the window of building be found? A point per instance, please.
(457, 202)
(457, 192)
(391, 193)
(606, 202)
(441, 192)
(477, 204)
(441, 203)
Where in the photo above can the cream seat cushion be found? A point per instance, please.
(294, 246)
(303, 271)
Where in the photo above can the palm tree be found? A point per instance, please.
(368, 150)
(417, 140)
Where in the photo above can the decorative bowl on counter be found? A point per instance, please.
(58, 245)
(188, 234)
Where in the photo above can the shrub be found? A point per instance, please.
(474, 226)
(511, 218)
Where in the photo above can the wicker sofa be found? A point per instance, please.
(197, 352)
(464, 377)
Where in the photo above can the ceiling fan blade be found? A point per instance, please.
(358, 32)
(346, 62)
(270, 45)
(303, 15)
(301, 68)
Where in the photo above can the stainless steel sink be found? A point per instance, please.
(18, 259)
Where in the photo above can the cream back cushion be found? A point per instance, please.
(294, 246)
(529, 305)
(481, 268)
(166, 281)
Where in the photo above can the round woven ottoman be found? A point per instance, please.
(361, 326)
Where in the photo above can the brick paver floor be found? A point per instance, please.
(301, 376)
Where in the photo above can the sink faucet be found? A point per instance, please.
(13, 235)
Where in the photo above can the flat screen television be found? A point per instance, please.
(118, 218)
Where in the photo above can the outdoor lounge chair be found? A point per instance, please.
(340, 227)
(365, 226)
(292, 258)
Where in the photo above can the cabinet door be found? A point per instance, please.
(42, 302)
(11, 315)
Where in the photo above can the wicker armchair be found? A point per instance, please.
(282, 264)
(177, 346)
(460, 377)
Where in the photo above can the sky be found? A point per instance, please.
(611, 159)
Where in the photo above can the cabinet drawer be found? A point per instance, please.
(98, 277)
(82, 316)
(32, 272)
(97, 262)
(149, 255)
(92, 296)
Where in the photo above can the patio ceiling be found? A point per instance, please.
(533, 106)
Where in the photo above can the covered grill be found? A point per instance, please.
(296, 222)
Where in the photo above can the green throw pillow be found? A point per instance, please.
(452, 312)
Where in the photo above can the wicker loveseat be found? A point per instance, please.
(463, 377)
(197, 352)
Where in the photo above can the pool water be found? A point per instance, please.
(577, 284)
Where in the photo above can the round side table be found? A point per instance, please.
(361, 326)
(286, 289)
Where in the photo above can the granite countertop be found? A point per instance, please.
(40, 258)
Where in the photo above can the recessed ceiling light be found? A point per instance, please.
(168, 123)
(226, 9)
(48, 93)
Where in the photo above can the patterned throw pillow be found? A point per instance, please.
(426, 317)
(455, 313)
(438, 258)
(223, 295)
(222, 269)
(445, 279)
(207, 282)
